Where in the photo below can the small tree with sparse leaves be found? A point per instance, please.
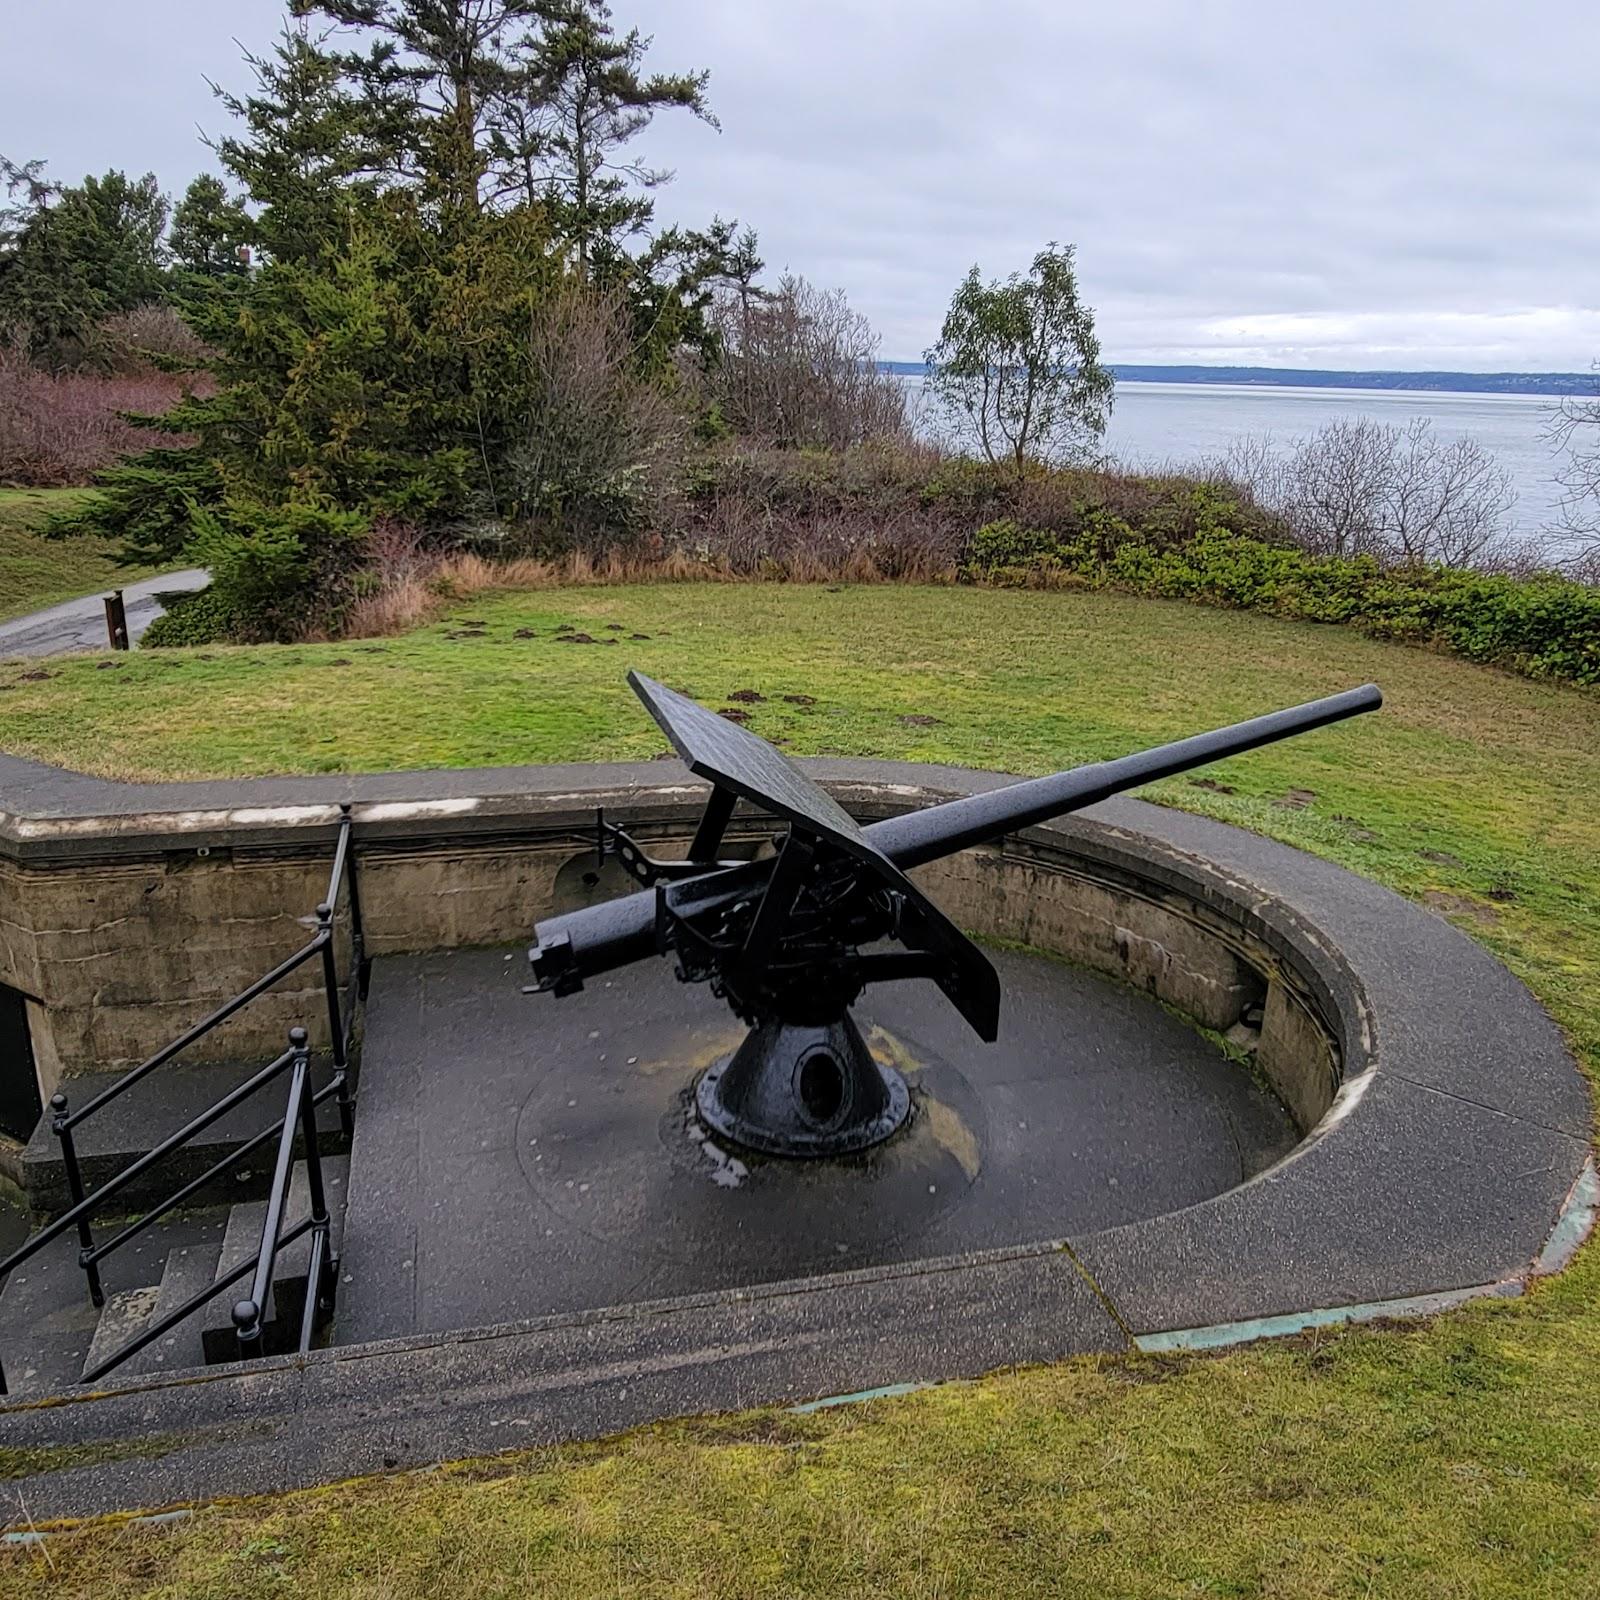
(1017, 366)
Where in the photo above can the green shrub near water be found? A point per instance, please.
(1545, 627)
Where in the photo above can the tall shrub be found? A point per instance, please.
(59, 428)
(601, 449)
(277, 573)
(798, 368)
(1403, 495)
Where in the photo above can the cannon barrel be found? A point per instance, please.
(919, 837)
(604, 937)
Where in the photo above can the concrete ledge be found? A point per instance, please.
(149, 1112)
(1446, 1123)
(407, 1402)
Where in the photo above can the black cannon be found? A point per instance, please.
(791, 940)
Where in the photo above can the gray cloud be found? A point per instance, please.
(1385, 182)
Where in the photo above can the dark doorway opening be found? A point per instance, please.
(20, 1105)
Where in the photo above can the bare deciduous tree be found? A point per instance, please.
(601, 447)
(1447, 498)
(1575, 429)
(1362, 487)
(799, 368)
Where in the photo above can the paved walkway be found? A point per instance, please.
(81, 624)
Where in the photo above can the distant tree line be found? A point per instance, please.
(78, 261)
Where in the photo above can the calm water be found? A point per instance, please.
(1173, 424)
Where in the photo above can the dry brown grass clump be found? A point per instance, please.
(413, 598)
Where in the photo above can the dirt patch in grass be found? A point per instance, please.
(1460, 905)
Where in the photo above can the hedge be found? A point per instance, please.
(202, 617)
(1544, 627)
(277, 573)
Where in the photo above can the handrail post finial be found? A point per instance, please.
(247, 1328)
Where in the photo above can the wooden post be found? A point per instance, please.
(116, 621)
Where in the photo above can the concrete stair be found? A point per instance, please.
(188, 1270)
(147, 1114)
(207, 1334)
(125, 1313)
(281, 1329)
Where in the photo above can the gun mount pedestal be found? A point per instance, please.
(798, 1089)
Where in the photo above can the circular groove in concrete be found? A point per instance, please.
(1097, 1107)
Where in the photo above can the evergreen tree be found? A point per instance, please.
(209, 231)
(581, 102)
(76, 256)
(307, 150)
(376, 358)
(431, 76)
(669, 285)
(372, 360)
(28, 193)
(420, 80)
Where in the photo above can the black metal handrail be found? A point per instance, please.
(321, 943)
(299, 1116)
(193, 1304)
(344, 1004)
(247, 1314)
(196, 1185)
(80, 1213)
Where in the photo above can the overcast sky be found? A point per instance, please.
(1376, 183)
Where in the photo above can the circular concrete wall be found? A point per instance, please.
(1446, 1126)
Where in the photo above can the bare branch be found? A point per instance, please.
(800, 368)
(1401, 495)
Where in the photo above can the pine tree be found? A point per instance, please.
(375, 357)
(371, 360)
(28, 193)
(582, 100)
(209, 231)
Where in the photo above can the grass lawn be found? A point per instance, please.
(1458, 1459)
(36, 572)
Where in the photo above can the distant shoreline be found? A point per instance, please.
(1546, 383)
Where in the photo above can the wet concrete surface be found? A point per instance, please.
(518, 1155)
(13, 1223)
